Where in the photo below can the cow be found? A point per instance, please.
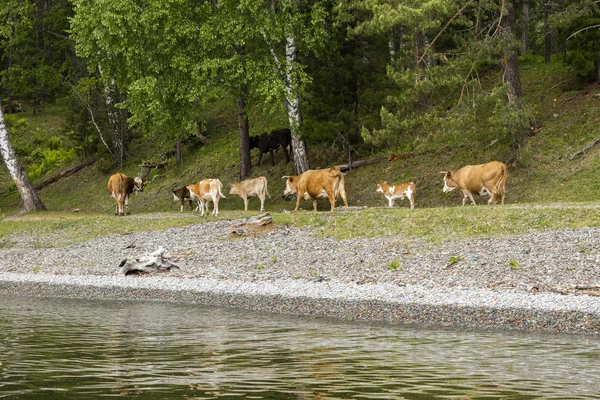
(272, 141)
(391, 193)
(317, 184)
(207, 190)
(483, 179)
(251, 187)
(120, 187)
(182, 194)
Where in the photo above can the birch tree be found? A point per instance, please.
(29, 197)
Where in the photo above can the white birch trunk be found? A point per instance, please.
(113, 120)
(29, 197)
(293, 108)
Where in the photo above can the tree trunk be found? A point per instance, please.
(244, 134)
(510, 58)
(117, 137)
(525, 27)
(114, 121)
(547, 34)
(29, 197)
(293, 109)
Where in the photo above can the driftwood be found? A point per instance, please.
(64, 174)
(259, 224)
(580, 152)
(153, 262)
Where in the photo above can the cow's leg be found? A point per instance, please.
(411, 198)
(116, 206)
(469, 195)
(272, 157)
(390, 202)
(262, 202)
(330, 196)
(298, 198)
(215, 206)
(181, 208)
(287, 154)
(260, 154)
(315, 205)
(245, 203)
(127, 204)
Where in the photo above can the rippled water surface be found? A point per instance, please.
(75, 349)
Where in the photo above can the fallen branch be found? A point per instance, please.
(64, 174)
(361, 163)
(580, 152)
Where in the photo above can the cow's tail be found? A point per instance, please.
(219, 186)
(501, 184)
(266, 189)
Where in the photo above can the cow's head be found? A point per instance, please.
(290, 186)
(181, 194)
(380, 187)
(253, 142)
(234, 188)
(138, 184)
(449, 183)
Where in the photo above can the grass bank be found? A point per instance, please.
(441, 224)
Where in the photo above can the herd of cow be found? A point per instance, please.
(484, 179)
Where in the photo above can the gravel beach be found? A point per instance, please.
(547, 280)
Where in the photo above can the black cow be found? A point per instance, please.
(182, 194)
(272, 141)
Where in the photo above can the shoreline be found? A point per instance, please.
(411, 304)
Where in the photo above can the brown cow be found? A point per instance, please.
(207, 190)
(251, 187)
(483, 179)
(406, 189)
(120, 187)
(317, 184)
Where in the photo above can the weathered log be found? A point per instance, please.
(261, 223)
(153, 262)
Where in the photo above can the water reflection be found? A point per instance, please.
(55, 348)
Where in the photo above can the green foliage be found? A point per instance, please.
(513, 263)
(578, 26)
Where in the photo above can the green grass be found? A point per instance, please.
(433, 224)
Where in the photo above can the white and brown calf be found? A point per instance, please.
(399, 191)
(204, 192)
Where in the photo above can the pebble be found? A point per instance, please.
(297, 271)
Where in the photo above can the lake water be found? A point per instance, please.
(76, 349)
